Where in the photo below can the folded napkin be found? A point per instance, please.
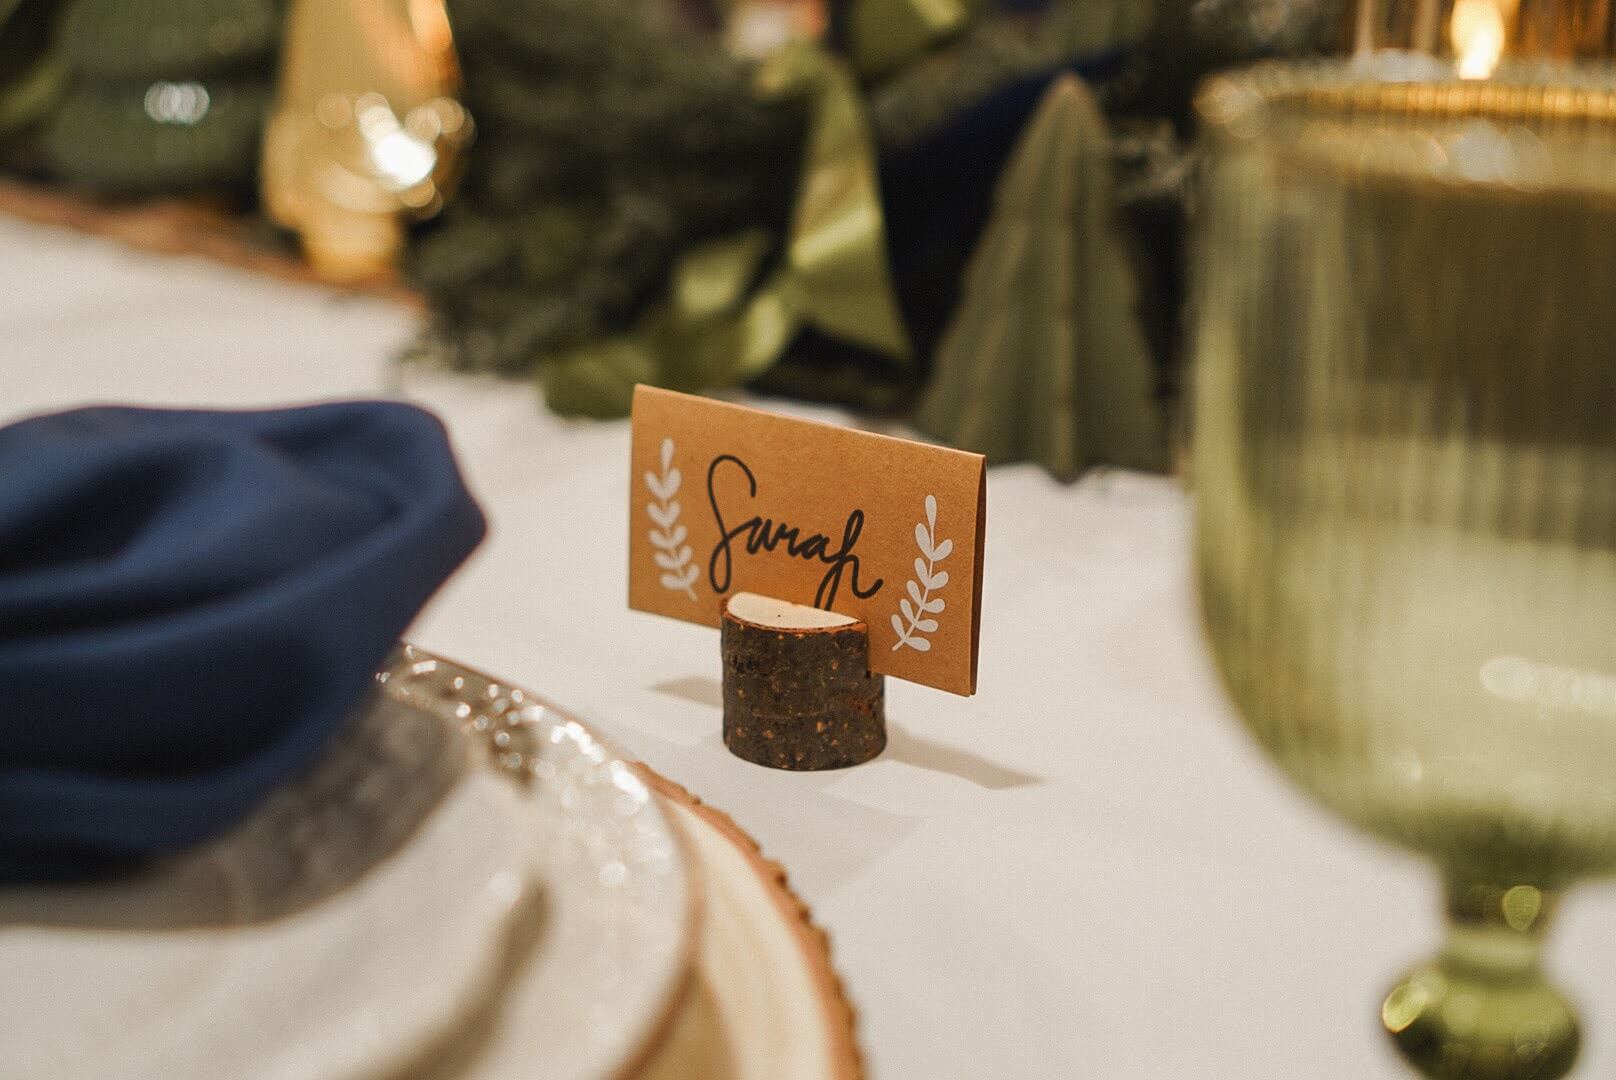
(191, 603)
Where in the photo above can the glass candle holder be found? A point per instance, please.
(1488, 30)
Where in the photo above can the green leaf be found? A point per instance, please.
(597, 380)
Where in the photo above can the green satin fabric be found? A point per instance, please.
(887, 35)
(836, 253)
(720, 324)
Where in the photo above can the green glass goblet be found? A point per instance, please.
(1405, 472)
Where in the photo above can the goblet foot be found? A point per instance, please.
(1482, 1010)
(1451, 1027)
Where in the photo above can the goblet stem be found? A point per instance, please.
(1482, 1009)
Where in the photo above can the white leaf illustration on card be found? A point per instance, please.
(667, 541)
(910, 622)
(668, 536)
(664, 514)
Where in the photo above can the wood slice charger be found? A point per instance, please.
(798, 692)
(764, 1001)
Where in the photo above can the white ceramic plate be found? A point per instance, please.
(282, 949)
(618, 939)
(762, 1003)
(286, 951)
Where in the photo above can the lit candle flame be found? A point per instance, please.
(1478, 31)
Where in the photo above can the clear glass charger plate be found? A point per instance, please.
(467, 884)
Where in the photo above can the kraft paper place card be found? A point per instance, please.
(727, 499)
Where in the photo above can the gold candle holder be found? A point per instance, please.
(1406, 484)
(365, 128)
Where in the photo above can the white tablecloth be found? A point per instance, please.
(1086, 870)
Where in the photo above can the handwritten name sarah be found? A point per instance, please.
(765, 534)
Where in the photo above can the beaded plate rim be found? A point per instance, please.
(619, 944)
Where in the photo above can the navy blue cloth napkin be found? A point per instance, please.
(190, 605)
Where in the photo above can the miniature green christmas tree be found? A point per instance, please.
(163, 95)
(1044, 359)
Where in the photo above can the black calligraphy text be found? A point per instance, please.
(761, 534)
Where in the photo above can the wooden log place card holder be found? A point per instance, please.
(829, 558)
